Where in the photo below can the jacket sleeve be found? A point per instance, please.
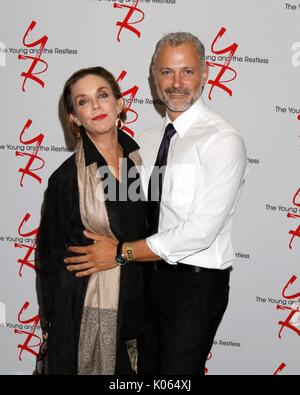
(51, 243)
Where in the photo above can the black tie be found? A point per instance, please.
(156, 181)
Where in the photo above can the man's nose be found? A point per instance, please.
(177, 80)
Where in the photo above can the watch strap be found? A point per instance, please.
(120, 257)
(119, 248)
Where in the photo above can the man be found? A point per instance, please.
(201, 165)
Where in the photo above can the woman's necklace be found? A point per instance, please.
(119, 160)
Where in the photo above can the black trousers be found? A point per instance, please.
(123, 366)
(184, 312)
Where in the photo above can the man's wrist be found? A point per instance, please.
(128, 250)
(129, 254)
(140, 252)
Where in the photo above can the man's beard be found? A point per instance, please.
(183, 104)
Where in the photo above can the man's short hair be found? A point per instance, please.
(178, 38)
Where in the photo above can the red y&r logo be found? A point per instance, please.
(289, 322)
(32, 157)
(280, 369)
(26, 346)
(132, 92)
(288, 284)
(126, 24)
(35, 60)
(208, 358)
(30, 248)
(230, 50)
(296, 232)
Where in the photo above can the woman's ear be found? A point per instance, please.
(121, 105)
(73, 118)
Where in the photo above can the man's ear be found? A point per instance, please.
(205, 73)
(73, 118)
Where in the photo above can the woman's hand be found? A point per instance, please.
(94, 258)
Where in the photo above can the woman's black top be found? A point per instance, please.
(61, 226)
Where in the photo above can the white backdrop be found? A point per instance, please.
(253, 49)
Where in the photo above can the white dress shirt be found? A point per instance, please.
(202, 183)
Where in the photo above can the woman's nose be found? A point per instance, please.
(95, 104)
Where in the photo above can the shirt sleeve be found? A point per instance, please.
(223, 162)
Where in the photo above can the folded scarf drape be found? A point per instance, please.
(98, 331)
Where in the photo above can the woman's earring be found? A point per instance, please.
(119, 123)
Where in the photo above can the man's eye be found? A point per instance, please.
(166, 72)
(189, 72)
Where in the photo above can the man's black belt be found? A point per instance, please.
(180, 267)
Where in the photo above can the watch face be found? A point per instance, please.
(121, 261)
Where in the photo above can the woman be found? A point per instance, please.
(92, 319)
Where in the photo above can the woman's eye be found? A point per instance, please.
(103, 95)
(82, 102)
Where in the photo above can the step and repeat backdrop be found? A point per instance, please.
(253, 52)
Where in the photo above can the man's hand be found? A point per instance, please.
(95, 258)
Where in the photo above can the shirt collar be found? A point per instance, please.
(185, 120)
(92, 155)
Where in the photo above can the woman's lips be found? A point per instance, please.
(99, 117)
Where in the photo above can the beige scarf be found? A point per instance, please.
(98, 332)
